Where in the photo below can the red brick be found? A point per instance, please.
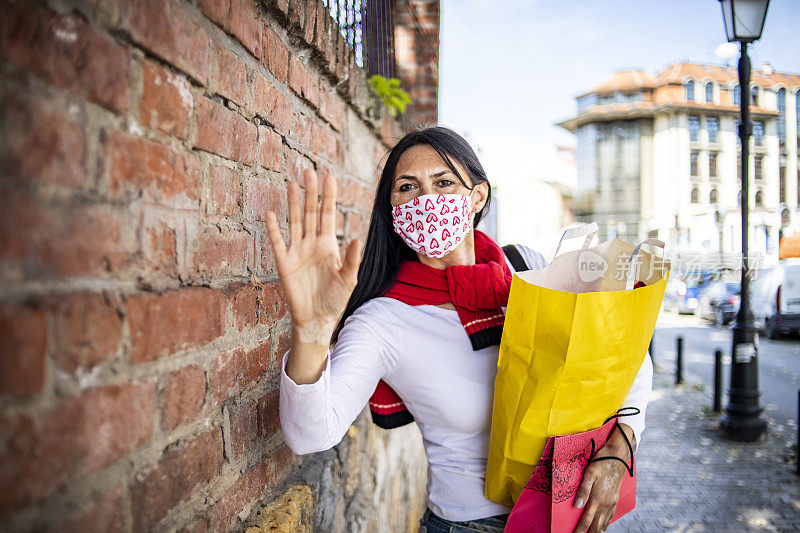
(267, 413)
(270, 149)
(176, 320)
(238, 370)
(45, 144)
(104, 512)
(352, 193)
(339, 223)
(297, 75)
(260, 196)
(41, 450)
(65, 51)
(271, 104)
(249, 486)
(160, 249)
(23, 335)
(237, 17)
(62, 238)
(274, 306)
(243, 423)
(276, 56)
(332, 108)
(165, 28)
(166, 101)
(282, 461)
(224, 132)
(244, 303)
(153, 170)
(86, 328)
(183, 396)
(232, 78)
(182, 470)
(243, 23)
(216, 10)
(216, 251)
(296, 163)
(323, 143)
(225, 194)
(357, 226)
(284, 343)
(265, 261)
(301, 129)
(310, 16)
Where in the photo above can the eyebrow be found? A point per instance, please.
(436, 175)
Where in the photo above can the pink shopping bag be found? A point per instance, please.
(546, 504)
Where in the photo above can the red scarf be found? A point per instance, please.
(477, 292)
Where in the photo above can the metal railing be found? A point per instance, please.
(368, 27)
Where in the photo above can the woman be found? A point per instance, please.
(418, 316)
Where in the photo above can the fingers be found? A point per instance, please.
(328, 215)
(582, 496)
(588, 518)
(275, 237)
(295, 220)
(312, 205)
(351, 261)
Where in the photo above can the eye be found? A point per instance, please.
(401, 189)
(445, 183)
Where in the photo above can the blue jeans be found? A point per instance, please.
(432, 523)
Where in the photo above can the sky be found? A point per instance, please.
(510, 69)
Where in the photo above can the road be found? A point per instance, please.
(779, 363)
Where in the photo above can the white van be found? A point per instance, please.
(775, 298)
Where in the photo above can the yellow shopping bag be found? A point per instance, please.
(574, 338)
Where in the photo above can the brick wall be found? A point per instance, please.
(141, 316)
(416, 36)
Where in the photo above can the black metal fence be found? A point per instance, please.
(368, 27)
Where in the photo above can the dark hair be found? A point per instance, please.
(384, 249)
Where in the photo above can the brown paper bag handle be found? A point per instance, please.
(633, 265)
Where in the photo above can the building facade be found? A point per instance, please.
(658, 156)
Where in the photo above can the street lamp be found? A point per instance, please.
(744, 21)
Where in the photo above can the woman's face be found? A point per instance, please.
(421, 170)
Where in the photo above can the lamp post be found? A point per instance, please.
(744, 21)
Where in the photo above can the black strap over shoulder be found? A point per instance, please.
(515, 258)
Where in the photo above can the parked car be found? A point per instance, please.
(693, 285)
(719, 302)
(674, 290)
(775, 298)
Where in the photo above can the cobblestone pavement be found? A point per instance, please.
(689, 479)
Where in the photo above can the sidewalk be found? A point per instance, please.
(689, 479)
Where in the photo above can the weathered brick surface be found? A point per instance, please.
(166, 102)
(141, 314)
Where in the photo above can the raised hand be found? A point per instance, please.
(316, 282)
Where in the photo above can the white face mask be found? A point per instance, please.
(433, 224)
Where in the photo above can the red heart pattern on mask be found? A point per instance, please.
(443, 234)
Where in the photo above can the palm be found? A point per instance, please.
(316, 281)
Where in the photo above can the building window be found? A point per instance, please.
(782, 116)
(694, 127)
(712, 164)
(712, 196)
(754, 95)
(712, 125)
(758, 164)
(782, 184)
(709, 92)
(693, 162)
(695, 198)
(737, 95)
(688, 88)
(759, 198)
(758, 132)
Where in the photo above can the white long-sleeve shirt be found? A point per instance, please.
(424, 354)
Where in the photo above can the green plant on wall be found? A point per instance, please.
(395, 98)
